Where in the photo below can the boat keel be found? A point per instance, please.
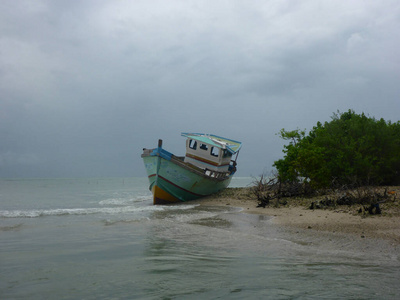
(162, 197)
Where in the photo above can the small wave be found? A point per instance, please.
(11, 228)
(64, 211)
(87, 211)
(178, 207)
(124, 201)
(116, 202)
(115, 222)
(142, 198)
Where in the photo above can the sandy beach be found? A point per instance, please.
(347, 220)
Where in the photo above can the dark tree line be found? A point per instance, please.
(351, 149)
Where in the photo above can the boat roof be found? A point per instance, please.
(216, 141)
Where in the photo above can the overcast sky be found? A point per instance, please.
(85, 85)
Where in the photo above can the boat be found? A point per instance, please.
(207, 167)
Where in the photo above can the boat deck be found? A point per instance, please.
(179, 160)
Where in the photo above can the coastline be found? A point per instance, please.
(341, 220)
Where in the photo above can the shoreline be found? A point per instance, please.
(339, 220)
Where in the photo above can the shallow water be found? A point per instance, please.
(102, 239)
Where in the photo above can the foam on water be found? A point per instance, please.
(88, 211)
(124, 201)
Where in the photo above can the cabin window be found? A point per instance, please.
(214, 151)
(193, 144)
(227, 153)
(203, 147)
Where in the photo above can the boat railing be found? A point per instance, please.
(147, 152)
(201, 171)
(216, 174)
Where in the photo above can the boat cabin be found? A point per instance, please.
(210, 151)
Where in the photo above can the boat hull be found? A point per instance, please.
(172, 180)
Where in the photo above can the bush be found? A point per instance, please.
(350, 149)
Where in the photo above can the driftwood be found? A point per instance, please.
(369, 198)
(268, 189)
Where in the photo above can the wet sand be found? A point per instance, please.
(342, 220)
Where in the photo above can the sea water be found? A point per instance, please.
(103, 239)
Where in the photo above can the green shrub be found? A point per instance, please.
(350, 149)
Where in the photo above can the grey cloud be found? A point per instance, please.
(86, 85)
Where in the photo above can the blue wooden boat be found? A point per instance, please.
(207, 168)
